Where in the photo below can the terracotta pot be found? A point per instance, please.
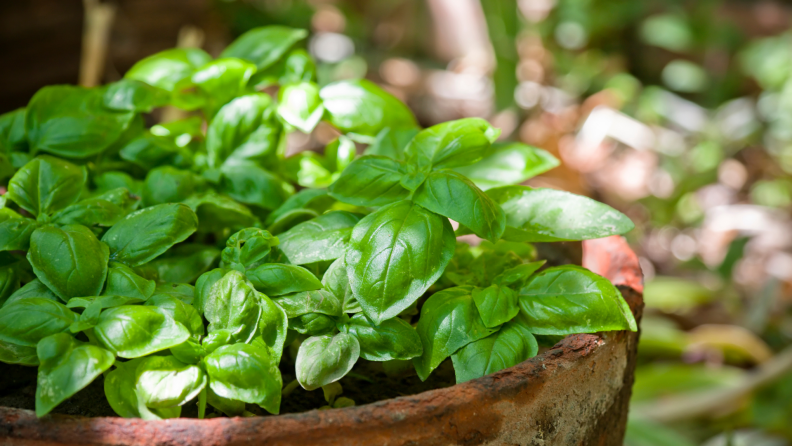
(576, 393)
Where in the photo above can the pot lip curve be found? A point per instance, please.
(610, 257)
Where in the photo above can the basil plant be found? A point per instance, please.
(193, 261)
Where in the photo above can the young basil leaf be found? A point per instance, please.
(246, 373)
(264, 45)
(27, 321)
(70, 260)
(167, 184)
(307, 199)
(449, 321)
(508, 163)
(277, 279)
(319, 301)
(323, 238)
(221, 80)
(450, 194)
(248, 247)
(233, 305)
(272, 327)
(242, 130)
(34, 288)
(188, 352)
(395, 254)
(370, 181)
(164, 381)
(308, 169)
(451, 144)
(122, 281)
(360, 106)
(66, 367)
(135, 96)
(180, 312)
(496, 304)
(185, 263)
(12, 132)
(300, 105)
(145, 234)
(313, 324)
(391, 143)
(336, 281)
(167, 68)
(482, 270)
(204, 287)
(570, 299)
(511, 345)
(248, 183)
(105, 209)
(132, 331)
(517, 277)
(298, 66)
(217, 339)
(15, 233)
(547, 215)
(120, 388)
(392, 339)
(322, 360)
(148, 151)
(11, 353)
(72, 122)
(46, 185)
(339, 153)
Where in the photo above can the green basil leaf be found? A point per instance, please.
(164, 381)
(496, 305)
(570, 299)
(339, 153)
(46, 185)
(246, 373)
(307, 199)
(308, 169)
(122, 281)
(248, 183)
(135, 96)
(360, 106)
(167, 68)
(395, 254)
(102, 302)
(243, 130)
(547, 215)
(370, 181)
(454, 196)
(511, 345)
(300, 105)
(517, 277)
(185, 263)
(216, 339)
(9, 282)
(322, 360)
(108, 181)
(180, 312)
(313, 324)
(25, 322)
(105, 209)
(248, 247)
(221, 80)
(70, 260)
(34, 288)
(230, 407)
(145, 234)
(204, 287)
(120, 388)
(291, 219)
(233, 305)
(336, 281)
(11, 353)
(391, 143)
(188, 352)
(15, 234)
(392, 339)
(449, 321)
(318, 301)
(148, 151)
(132, 331)
(322, 238)
(12, 131)
(217, 212)
(167, 184)
(66, 367)
(298, 66)
(264, 45)
(182, 291)
(277, 279)
(508, 163)
(272, 327)
(72, 122)
(451, 144)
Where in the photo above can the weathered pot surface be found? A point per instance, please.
(576, 393)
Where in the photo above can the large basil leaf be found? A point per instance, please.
(34, 288)
(300, 105)
(221, 80)
(15, 233)
(508, 163)
(180, 312)
(105, 209)
(451, 144)
(70, 260)
(336, 281)
(167, 184)
(122, 281)
(548, 215)
(120, 388)
(264, 45)
(570, 299)
(322, 360)
(11, 353)
(370, 181)
(132, 331)
(242, 129)
(360, 106)
(135, 96)
(248, 247)
(217, 212)
(164, 381)
(322, 238)
(204, 286)
(248, 183)
(184, 263)
(233, 305)
(395, 254)
(72, 122)
(496, 304)
(167, 68)
(392, 339)
(66, 367)
(319, 301)
(148, 151)
(46, 185)
(449, 321)
(456, 197)
(27, 321)
(145, 234)
(511, 345)
(277, 279)
(247, 373)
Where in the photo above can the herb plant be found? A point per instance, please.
(181, 263)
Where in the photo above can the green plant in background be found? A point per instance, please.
(181, 264)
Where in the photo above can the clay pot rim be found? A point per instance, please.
(610, 257)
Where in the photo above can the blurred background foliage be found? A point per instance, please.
(677, 112)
